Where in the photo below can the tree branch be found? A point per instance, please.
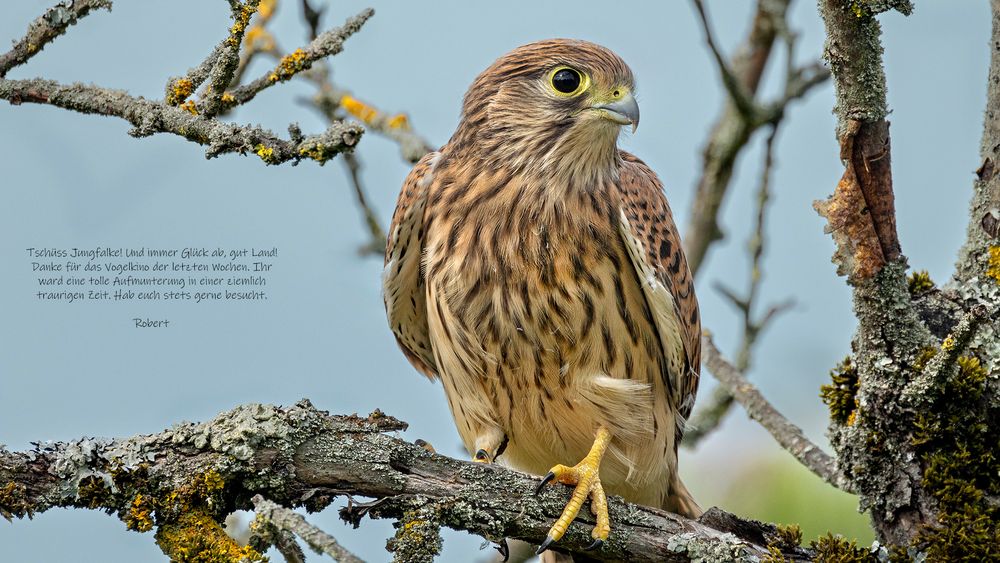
(269, 513)
(53, 23)
(186, 479)
(741, 116)
(150, 117)
(788, 435)
(712, 411)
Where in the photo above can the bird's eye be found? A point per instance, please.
(566, 80)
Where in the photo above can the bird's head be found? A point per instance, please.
(548, 101)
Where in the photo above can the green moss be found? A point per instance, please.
(836, 549)
(919, 282)
(840, 394)
(960, 455)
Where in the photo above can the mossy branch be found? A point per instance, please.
(185, 480)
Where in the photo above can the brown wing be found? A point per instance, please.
(403, 287)
(648, 229)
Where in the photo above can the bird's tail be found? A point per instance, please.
(679, 500)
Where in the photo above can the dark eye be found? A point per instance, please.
(566, 80)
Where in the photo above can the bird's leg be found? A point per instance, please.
(586, 476)
(489, 445)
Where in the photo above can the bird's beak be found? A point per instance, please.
(623, 111)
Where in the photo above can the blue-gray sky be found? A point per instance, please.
(68, 370)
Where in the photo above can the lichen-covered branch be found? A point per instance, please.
(324, 45)
(788, 435)
(177, 114)
(270, 514)
(53, 23)
(183, 481)
(149, 117)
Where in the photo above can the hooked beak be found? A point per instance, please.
(623, 111)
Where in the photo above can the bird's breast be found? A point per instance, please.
(539, 322)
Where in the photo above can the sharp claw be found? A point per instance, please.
(482, 455)
(548, 479)
(594, 546)
(545, 544)
(504, 549)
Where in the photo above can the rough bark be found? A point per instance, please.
(300, 456)
(908, 349)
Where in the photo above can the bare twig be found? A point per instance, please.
(288, 520)
(376, 245)
(742, 99)
(741, 116)
(788, 435)
(712, 410)
(53, 23)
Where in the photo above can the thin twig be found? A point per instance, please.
(733, 130)
(711, 411)
(737, 93)
(53, 23)
(940, 366)
(789, 436)
(376, 245)
(288, 520)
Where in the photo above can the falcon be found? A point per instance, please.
(535, 269)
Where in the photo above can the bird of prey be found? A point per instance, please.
(535, 269)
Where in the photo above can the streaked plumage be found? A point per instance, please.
(536, 270)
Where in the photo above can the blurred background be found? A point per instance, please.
(69, 370)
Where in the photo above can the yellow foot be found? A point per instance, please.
(586, 476)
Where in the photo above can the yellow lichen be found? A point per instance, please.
(993, 265)
(195, 537)
(259, 39)
(190, 107)
(266, 9)
(316, 152)
(359, 109)
(140, 514)
(240, 25)
(179, 91)
(266, 154)
(290, 65)
(228, 98)
(948, 344)
(399, 121)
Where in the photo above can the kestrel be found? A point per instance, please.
(535, 269)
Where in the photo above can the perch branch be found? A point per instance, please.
(788, 435)
(186, 479)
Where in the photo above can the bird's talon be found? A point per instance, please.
(482, 456)
(594, 546)
(545, 545)
(545, 481)
(504, 549)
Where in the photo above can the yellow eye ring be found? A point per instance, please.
(567, 81)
